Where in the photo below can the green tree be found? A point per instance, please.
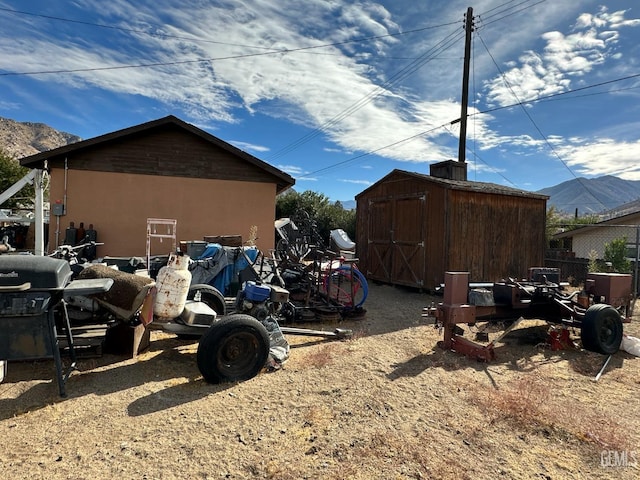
(615, 252)
(10, 172)
(553, 224)
(594, 263)
(327, 215)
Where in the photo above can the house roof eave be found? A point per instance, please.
(284, 180)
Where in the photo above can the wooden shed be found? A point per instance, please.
(164, 169)
(412, 228)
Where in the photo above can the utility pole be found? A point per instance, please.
(465, 85)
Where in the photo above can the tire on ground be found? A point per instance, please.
(601, 329)
(235, 348)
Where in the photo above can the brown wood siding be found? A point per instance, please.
(436, 237)
(395, 234)
(495, 236)
(491, 235)
(379, 240)
(165, 152)
(409, 229)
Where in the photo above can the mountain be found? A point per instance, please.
(21, 139)
(348, 204)
(592, 195)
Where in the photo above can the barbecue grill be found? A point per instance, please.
(32, 307)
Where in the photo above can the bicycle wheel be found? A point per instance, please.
(346, 286)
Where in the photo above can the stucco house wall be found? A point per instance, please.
(164, 169)
(594, 242)
(591, 240)
(118, 206)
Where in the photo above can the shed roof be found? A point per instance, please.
(484, 187)
(282, 179)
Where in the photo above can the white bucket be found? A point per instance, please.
(172, 287)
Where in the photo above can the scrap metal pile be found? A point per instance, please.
(322, 285)
(598, 311)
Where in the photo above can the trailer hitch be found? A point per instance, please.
(338, 333)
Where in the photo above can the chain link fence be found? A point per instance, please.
(607, 248)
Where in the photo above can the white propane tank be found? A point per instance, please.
(172, 287)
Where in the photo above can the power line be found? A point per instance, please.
(371, 152)
(508, 14)
(567, 92)
(323, 128)
(271, 50)
(521, 104)
(184, 62)
(535, 100)
(395, 78)
(475, 155)
(128, 30)
(500, 6)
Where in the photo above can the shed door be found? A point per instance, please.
(396, 250)
(379, 240)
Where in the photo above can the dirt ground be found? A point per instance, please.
(386, 404)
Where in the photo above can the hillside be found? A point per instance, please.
(21, 139)
(592, 195)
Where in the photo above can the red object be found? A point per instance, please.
(559, 339)
(482, 353)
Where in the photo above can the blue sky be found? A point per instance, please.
(338, 93)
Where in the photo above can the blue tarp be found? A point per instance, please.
(219, 266)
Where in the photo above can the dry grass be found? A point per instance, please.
(387, 404)
(528, 404)
(322, 356)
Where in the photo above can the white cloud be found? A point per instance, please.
(249, 146)
(357, 182)
(604, 156)
(563, 58)
(333, 150)
(291, 169)
(348, 92)
(9, 105)
(327, 88)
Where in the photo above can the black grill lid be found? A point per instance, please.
(43, 273)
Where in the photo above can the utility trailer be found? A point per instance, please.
(599, 310)
(41, 297)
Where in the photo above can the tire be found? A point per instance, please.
(235, 348)
(601, 329)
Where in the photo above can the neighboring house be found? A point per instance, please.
(590, 241)
(413, 227)
(165, 169)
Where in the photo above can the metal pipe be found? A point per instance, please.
(38, 183)
(635, 276)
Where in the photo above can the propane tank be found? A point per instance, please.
(172, 287)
